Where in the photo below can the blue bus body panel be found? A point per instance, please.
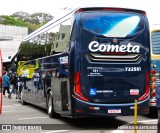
(112, 82)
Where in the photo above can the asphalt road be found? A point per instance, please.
(28, 117)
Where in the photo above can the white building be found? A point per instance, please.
(10, 38)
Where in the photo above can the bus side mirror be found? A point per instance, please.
(15, 59)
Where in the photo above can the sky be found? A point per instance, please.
(54, 7)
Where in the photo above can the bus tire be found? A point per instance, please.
(153, 113)
(50, 107)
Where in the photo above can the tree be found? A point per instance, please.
(8, 20)
(33, 21)
(35, 18)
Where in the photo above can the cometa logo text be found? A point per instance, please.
(94, 46)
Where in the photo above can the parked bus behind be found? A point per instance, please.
(155, 62)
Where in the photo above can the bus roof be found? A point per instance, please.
(111, 9)
(66, 16)
(49, 25)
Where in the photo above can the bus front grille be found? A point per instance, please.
(129, 58)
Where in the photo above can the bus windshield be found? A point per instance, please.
(112, 24)
(155, 42)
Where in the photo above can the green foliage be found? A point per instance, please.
(33, 27)
(23, 19)
(8, 20)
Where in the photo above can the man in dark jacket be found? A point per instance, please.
(14, 83)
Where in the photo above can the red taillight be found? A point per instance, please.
(77, 78)
(79, 111)
(153, 71)
(77, 88)
(146, 94)
(153, 94)
(80, 10)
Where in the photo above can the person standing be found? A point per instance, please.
(23, 77)
(14, 83)
(6, 84)
(35, 77)
(48, 77)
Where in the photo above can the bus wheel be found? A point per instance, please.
(50, 107)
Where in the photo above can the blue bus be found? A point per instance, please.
(90, 62)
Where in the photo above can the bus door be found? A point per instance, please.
(113, 57)
(61, 94)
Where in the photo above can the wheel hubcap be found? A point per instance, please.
(49, 105)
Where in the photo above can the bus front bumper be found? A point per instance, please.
(81, 108)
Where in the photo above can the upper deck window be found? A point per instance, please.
(112, 24)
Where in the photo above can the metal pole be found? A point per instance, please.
(135, 116)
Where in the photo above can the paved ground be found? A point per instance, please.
(14, 102)
(7, 101)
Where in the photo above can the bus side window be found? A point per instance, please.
(73, 32)
(56, 44)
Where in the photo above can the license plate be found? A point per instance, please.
(114, 111)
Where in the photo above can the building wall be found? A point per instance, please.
(10, 39)
(11, 32)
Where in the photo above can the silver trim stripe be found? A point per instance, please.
(114, 58)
